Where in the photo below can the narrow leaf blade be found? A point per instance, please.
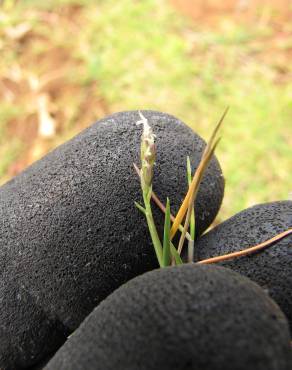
(192, 220)
(176, 256)
(166, 237)
(143, 210)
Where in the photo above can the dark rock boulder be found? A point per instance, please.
(271, 268)
(70, 233)
(177, 318)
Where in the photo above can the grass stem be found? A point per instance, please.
(160, 205)
(191, 243)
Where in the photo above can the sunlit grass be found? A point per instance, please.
(144, 54)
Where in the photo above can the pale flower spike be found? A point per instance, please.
(148, 153)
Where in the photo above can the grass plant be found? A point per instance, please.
(166, 252)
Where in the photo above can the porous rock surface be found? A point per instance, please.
(186, 317)
(271, 268)
(70, 233)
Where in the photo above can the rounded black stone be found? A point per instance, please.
(70, 233)
(271, 268)
(186, 317)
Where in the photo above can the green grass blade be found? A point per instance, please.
(192, 220)
(166, 237)
(142, 209)
(176, 256)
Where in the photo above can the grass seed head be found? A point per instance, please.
(148, 153)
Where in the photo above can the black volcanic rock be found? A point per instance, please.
(177, 318)
(70, 233)
(271, 268)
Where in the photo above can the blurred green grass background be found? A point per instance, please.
(65, 64)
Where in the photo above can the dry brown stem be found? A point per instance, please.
(246, 251)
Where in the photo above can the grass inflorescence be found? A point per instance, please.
(166, 253)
